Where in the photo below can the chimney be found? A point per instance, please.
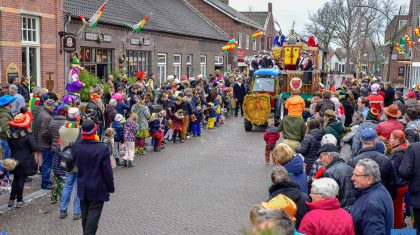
(225, 2)
(270, 7)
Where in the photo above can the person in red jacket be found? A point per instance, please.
(325, 216)
(271, 135)
(384, 129)
(376, 100)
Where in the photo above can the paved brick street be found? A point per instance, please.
(204, 186)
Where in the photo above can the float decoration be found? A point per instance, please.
(231, 45)
(93, 21)
(256, 35)
(417, 31)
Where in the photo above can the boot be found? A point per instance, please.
(118, 162)
(11, 203)
(156, 149)
(124, 163)
(131, 164)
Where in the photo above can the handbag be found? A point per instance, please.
(66, 159)
(5, 185)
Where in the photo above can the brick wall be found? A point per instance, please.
(50, 15)
(168, 44)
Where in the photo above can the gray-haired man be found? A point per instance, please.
(19, 102)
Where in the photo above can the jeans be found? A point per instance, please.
(239, 103)
(6, 149)
(71, 180)
(91, 214)
(47, 158)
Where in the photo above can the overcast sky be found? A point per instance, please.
(286, 13)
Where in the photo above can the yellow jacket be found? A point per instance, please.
(295, 105)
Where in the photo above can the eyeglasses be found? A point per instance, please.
(311, 193)
(357, 175)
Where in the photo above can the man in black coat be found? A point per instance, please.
(23, 89)
(239, 93)
(95, 180)
(409, 170)
(389, 95)
(385, 166)
(337, 169)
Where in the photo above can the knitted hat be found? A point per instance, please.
(118, 118)
(375, 88)
(282, 153)
(113, 102)
(89, 127)
(73, 113)
(328, 139)
(50, 102)
(368, 134)
(393, 111)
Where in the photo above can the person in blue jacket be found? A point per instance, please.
(118, 137)
(372, 212)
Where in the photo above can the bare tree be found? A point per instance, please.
(322, 22)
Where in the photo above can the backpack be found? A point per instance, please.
(66, 159)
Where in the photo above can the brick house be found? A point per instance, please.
(29, 41)
(236, 25)
(266, 21)
(182, 44)
(407, 68)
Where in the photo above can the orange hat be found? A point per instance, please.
(282, 202)
(22, 120)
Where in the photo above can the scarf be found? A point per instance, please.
(17, 133)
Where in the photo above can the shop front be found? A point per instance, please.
(97, 61)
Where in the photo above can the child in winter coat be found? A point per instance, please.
(271, 135)
(6, 166)
(295, 104)
(109, 141)
(155, 131)
(196, 125)
(118, 137)
(130, 130)
(177, 122)
(212, 115)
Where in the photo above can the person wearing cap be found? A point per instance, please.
(368, 139)
(23, 89)
(325, 207)
(372, 212)
(239, 93)
(69, 133)
(400, 102)
(332, 125)
(22, 145)
(283, 185)
(375, 100)
(398, 145)
(20, 101)
(118, 137)
(5, 116)
(95, 180)
(4, 89)
(389, 95)
(337, 169)
(44, 140)
(385, 128)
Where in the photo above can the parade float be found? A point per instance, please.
(290, 65)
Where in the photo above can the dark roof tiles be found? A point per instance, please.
(170, 16)
(258, 17)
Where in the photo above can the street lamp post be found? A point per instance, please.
(394, 36)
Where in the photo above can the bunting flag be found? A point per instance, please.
(93, 21)
(139, 26)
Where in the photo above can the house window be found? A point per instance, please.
(161, 68)
(203, 65)
(240, 40)
(30, 50)
(254, 45)
(177, 65)
(189, 65)
(247, 42)
(218, 62)
(402, 23)
(97, 61)
(137, 61)
(269, 43)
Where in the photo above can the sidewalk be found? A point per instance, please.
(32, 187)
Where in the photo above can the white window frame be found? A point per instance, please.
(240, 40)
(254, 45)
(218, 60)
(162, 77)
(189, 65)
(203, 65)
(401, 23)
(260, 43)
(32, 44)
(247, 42)
(177, 65)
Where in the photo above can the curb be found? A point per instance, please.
(27, 198)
